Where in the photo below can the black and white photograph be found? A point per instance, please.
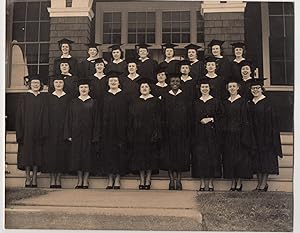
(149, 115)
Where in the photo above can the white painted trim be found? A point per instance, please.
(217, 7)
(71, 12)
(279, 88)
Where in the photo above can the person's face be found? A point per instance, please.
(65, 48)
(99, 67)
(161, 77)
(238, 52)
(116, 54)
(64, 68)
(143, 52)
(132, 68)
(246, 71)
(256, 90)
(58, 85)
(113, 82)
(210, 66)
(216, 50)
(93, 52)
(204, 89)
(192, 54)
(35, 85)
(145, 89)
(233, 88)
(169, 52)
(84, 89)
(175, 83)
(185, 69)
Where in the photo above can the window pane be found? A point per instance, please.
(44, 53)
(131, 17)
(151, 17)
(277, 48)
(141, 16)
(175, 27)
(150, 27)
(276, 8)
(176, 38)
(185, 38)
(116, 28)
(289, 47)
(117, 17)
(166, 16)
(44, 70)
(18, 31)
(185, 27)
(166, 38)
(176, 15)
(166, 27)
(33, 9)
(290, 72)
(32, 31)
(150, 38)
(200, 37)
(276, 26)
(131, 38)
(32, 69)
(44, 11)
(32, 53)
(277, 71)
(107, 27)
(106, 38)
(44, 31)
(107, 17)
(289, 26)
(19, 11)
(288, 8)
(141, 38)
(132, 27)
(116, 38)
(141, 27)
(185, 16)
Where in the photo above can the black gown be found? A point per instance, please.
(147, 69)
(56, 149)
(87, 68)
(81, 125)
(73, 63)
(176, 133)
(223, 68)
(236, 71)
(113, 134)
(144, 134)
(206, 155)
(98, 87)
(189, 87)
(244, 90)
(120, 67)
(218, 87)
(267, 137)
(70, 85)
(197, 70)
(158, 91)
(31, 129)
(171, 67)
(238, 140)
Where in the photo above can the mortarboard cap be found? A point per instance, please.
(238, 45)
(58, 77)
(210, 59)
(33, 77)
(173, 75)
(115, 46)
(100, 60)
(168, 46)
(256, 82)
(113, 73)
(131, 60)
(65, 41)
(184, 62)
(192, 46)
(203, 81)
(92, 45)
(161, 68)
(64, 60)
(84, 81)
(142, 45)
(216, 42)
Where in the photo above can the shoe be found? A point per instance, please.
(85, 186)
(78, 187)
(27, 185)
(211, 189)
(148, 187)
(109, 187)
(141, 187)
(240, 188)
(58, 186)
(117, 187)
(232, 189)
(53, 186)
(265, 189)
(171, 186)
(202, 189)
(34, 186)
(179, 186)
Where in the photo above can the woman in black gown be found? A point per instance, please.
(117, 63)
(56, 148)
(113, 132)
(87, 66)
(161, 87)
(238, 50)
(188, 84)
(65, 48)
(237, 139)
(197, 68)
(247, 76)
(31, 129)
(206, 155)
(266, 134)
(170, 63)
(81, 130)
(144, 135)
(176, 133)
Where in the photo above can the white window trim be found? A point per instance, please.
(266, 52)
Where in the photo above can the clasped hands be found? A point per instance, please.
(207, 120)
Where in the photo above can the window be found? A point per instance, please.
(200, 28)
(112, 28)
(31, 29)
(141, 27)
(176, 27)
(281, 43)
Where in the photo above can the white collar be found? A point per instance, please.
(136, 75)
(219, 57)
(147, 97)
(194, 61)
(31, 91)
(91, 59)
(215, 75)
(144, 59)
(88, 97)
(118, 90)
(188, 78)
(208, 98)
(235, 98)
(99, 77)
(168, 61)
(68, 56)
(68, 74)
(259, 99)
(117, 62)
(158, 84)
(55, 93)
(172, 93)
(247, 79)
(239, 60)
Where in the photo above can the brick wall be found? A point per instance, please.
(224, 26)
(74, 28)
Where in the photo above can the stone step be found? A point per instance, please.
(158, 183)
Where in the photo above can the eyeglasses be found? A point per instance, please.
(255, 88)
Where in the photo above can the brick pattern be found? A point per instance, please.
(224, 26)
(74, 28)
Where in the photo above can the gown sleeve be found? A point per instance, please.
(20, 120)
(68, 122)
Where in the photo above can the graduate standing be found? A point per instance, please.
(238, 50)
(266, 134)
(161, 87)
(170, 63)
(247, 76)
(31, 129)
(81, 130)
(197, 68)
(87, 66)
(188, 84)
(56, 149)
(65, 47)
(117, 63)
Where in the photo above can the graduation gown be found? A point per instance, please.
(87, 68)
(206, 154)
(189, 87)
(119, 67)
(147, 69)
(98, 87)
(31, 129)
(113, 134)
(56, 149)
(236, 71)
(197, 70)
(238, 140)
(144, 134)
(223, 68)
(218, 87)
(81, 126)
(172, 67)
(267, 137)
(70, 85)
(176, 133)
(73, 63)
(244, 90)
(158, 91)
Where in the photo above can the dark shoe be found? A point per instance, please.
(85, 186)
(240, 188)
(109, 187)
(211, 189)
(141, 187)
(232, 189)
(78, 187)
(116, 187)
(27, 185)
(202, 189)
(171, 186)
(179, 186)
(34, 186)
(53, 186)
(58, 186)
(265, 189)
(148, 187)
